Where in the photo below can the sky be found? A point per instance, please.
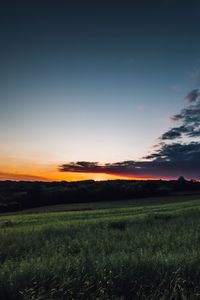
(99, 89)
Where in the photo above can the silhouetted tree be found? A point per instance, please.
(181, 179)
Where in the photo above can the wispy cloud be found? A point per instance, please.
(17, 176)
(192, 95)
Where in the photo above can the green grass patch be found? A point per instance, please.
(144, 252)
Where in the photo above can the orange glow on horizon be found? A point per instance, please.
(68, 176)
(41, 172)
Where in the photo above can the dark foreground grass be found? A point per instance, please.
(150, 252)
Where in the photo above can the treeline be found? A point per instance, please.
(21, 195)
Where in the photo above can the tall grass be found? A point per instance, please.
(150, 252)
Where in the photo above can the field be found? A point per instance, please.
(141, 252)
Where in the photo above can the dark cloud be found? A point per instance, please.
(168, 160)
(176, 117)
(177, 152)
(95, 167)
(176, 132)
(189, 117)
(171, 134)
(193, 95)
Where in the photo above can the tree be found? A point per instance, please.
(181, 179)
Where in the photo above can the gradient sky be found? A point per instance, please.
(91, 81)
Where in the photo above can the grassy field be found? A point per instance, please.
(140, 252)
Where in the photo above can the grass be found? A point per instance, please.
(140, 252)
(178, 197)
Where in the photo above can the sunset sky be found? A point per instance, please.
(99, 89)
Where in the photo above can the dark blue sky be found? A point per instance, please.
(93, 80)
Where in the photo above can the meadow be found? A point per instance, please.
(140, 252)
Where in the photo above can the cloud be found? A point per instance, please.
(193, 95)
(171, 134)
(168, 160)
(95, 167)
(177, 132)
(176, 117)
(189, 118)
(17, 177)
(177, 152)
